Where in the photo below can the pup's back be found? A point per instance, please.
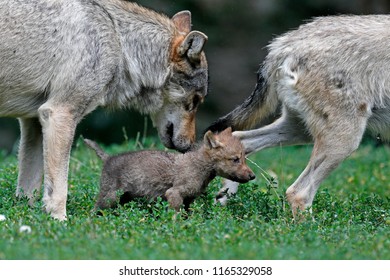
(134, 174)
(140, 173)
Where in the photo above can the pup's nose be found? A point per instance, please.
(252, 176)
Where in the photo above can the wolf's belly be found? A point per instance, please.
(20, 105)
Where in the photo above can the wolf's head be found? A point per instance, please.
(228, 155)
(186, 86)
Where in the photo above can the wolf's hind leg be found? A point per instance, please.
(335, 142)
(229, 188)
(286, 131)
(30, 159)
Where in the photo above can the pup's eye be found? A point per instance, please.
(235, 160)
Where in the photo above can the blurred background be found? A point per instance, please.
(238, 33)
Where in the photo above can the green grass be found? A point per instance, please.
(351, 211)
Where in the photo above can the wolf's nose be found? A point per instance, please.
(252, 176)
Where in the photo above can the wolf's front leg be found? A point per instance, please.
(30, 159)
(58, 126)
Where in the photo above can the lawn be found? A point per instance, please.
(351, 215)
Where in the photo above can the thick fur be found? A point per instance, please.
(60, 59)
(179, 178)
(331, 77)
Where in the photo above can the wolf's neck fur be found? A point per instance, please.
(145, 37)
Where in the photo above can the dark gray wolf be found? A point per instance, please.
(60, 59)
(332, 78)
(179, 178)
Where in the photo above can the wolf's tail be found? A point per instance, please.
(260, 105)
(94, 146)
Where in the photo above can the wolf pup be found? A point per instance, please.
(332, 79)
(179, 178)
(61, 59)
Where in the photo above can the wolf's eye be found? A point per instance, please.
(196, 100)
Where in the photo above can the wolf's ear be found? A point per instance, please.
(182, 21)
(211, 140)
(192, 45)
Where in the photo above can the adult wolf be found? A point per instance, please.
(61, 59)
(332, 79)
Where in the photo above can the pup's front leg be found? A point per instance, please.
(174, 198)
(30, 159)
(58, 126)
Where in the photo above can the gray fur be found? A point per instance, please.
(179, 178)
(332, 78)
(60, 59)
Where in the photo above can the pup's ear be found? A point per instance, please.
(227, 131)
(192, 45)
(211, 140)
(182, 21)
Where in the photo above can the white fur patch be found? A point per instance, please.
(287, 77)
(288, 72)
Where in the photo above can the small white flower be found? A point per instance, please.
(24, 228)
(2, 218)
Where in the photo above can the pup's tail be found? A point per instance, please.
(259, 106)
(94, 146)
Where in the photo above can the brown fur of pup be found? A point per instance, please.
(178, 178)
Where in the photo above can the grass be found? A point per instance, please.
(351, 211)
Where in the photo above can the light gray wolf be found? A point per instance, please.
(331, 77)
(178, 178)
(60, 59)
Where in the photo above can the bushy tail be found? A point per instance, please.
(255, 109)
(93, 145)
